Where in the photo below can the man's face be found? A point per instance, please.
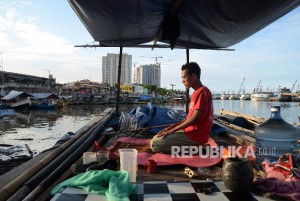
(187, 79)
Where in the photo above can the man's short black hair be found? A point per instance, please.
(191, 68)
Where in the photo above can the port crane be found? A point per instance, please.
(241, 87)
(156, 61)
(256, 90)
(293, 86)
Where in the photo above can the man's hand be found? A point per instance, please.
(163, 133)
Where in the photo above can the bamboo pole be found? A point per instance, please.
(240, 135)
(136, 130)
(235, 127)
(119, 80)
(187, 93)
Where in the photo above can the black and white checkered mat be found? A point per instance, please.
(167, 191)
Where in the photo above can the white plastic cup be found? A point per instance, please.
(128, 162)
(89, 157)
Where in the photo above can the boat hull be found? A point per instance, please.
(260, 97)
(43, 106)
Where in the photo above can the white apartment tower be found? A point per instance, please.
(110, 68)
(148, 75)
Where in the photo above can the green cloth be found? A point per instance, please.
(114, 184)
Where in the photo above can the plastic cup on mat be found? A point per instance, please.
(89, 157)
(128, 161)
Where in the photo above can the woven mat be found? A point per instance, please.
(126, 145)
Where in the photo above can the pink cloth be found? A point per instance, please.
(276, 172)
(166, 159)
(268, 167)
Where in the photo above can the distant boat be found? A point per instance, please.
(285, 105)
(43, 101)
(24, 103)
(225, 97)
(245, 97)
(216, 96)
(260, 96)
(17, 99)
(282, 96)
(234, 97)
(36, 105)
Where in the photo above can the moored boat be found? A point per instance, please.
(245, 96)
(17, 99)
(42, 105)
(225, 97)
(233, 97)
(261, 96)
(44, 101)
(216, 96)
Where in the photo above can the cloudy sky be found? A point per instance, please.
(38, 36)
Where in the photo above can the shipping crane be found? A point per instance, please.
(257, 88)
(241, 87)
(156, 61)
(293, 86)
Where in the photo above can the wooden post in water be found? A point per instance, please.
(187, 90)
(119, 81)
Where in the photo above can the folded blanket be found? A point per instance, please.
(115, 185)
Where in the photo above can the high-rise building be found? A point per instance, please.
(148, 75)
(110, 68)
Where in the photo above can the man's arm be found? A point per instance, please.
(171, 127)
(183, 124)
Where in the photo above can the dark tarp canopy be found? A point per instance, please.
(202, 24)
(12, 95)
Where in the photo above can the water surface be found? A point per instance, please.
(40, 129)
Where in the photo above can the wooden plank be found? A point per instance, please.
(235, 127)
(252, 119)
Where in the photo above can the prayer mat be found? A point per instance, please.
(126, 145)
(195, 190)
(144, 154)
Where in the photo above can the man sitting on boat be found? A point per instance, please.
(196, 128)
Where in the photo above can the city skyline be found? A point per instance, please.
(35, 41)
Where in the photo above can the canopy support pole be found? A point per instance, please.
(119, 81)
(187, 93)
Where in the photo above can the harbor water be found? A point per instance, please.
(40, 129)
